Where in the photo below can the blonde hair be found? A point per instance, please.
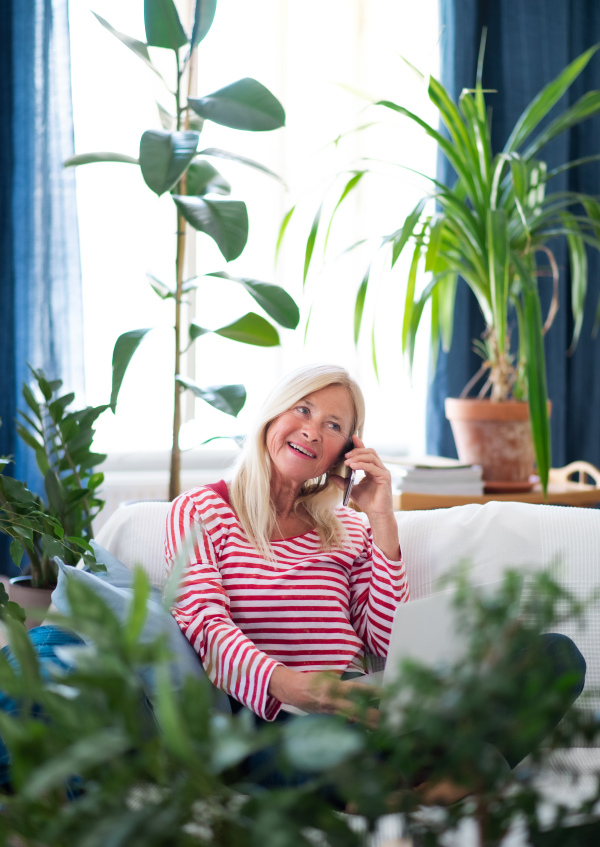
(250, 489)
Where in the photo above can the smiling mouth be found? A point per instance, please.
(304, 451)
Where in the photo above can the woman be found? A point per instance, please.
(284, 583)
(284, 590)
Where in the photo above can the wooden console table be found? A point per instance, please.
(563, 490)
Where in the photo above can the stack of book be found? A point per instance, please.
(434, 475)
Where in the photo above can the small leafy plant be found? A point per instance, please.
(62, 525)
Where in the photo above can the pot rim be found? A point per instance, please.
(483, 409)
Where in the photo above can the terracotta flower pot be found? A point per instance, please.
(35, 601)
(496, 436)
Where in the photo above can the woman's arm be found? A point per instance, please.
(373, 495)
(201, 608)
(322, 692)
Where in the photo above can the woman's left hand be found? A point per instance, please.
(373, 495)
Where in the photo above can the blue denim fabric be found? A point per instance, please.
(44, 639)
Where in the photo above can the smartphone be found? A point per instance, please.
(341, 469)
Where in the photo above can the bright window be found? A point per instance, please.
(317, 58)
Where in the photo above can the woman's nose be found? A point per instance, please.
(311, 431)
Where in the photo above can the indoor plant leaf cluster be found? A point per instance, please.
(91, 765)
(60, 525)
(491, 226)
(171, 162)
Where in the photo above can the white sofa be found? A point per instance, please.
(565, 541)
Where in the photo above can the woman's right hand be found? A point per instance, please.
(320, 691)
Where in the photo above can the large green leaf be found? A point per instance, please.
(359, 304)
(125, 346)
(226, 221)
(310, 243)
(245, 104)
(251, 329)
(546, 99)
(203, 17)
(276, 302)
(226, 398)
(535, 364)
(499, 260)
(350, 186)
(163, 27)
(203, 178)
(138, 47)
(165, 156)
(93, 158)
(586, 107)
(579, 275)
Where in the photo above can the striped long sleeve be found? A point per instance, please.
(309, 609)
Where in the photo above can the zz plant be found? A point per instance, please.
(171, 163)
(62, 525)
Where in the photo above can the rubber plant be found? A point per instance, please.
(491, 226)
(60, 525)
(170, 162)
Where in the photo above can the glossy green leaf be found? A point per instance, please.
(203, 18)
(546, 99)
(125, 346)
(197, 331)
(203, 178)
(359, 304)
(374, 353)
(350, 186)
(163, 27)
(55, 492)
(579, 276)
(435, 237)
(93, 158)
(310, 243)
(245, 104)
(282, 230)
(163, 290)
(276, 302)
(167, 120)
(401, 237)
(16, 551)
(499, 260)
(225, 221)
(410, 293)
(217, 153)
(226, 398)
(138, 47)
(165, 157)
(586, 107)
(250, 329)
(321, 744)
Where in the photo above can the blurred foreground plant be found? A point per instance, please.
(92, 738)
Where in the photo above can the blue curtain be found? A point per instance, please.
(528, 44)
(40, 279)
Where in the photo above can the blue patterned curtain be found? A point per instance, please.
(40, 279)
(528, 44)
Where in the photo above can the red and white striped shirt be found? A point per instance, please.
(311, 610)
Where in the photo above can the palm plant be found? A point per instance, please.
(491, 227)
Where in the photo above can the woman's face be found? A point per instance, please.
(306, 441)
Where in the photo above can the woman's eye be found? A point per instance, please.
(302, 409)
(335, 426)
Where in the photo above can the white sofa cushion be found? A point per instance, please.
(492, 537)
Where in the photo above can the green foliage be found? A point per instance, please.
(169, 162)
(93, 765)
(492, 227)
(62, 440)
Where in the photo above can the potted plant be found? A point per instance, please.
(492, 226)
(171, 163)
(61, 525)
